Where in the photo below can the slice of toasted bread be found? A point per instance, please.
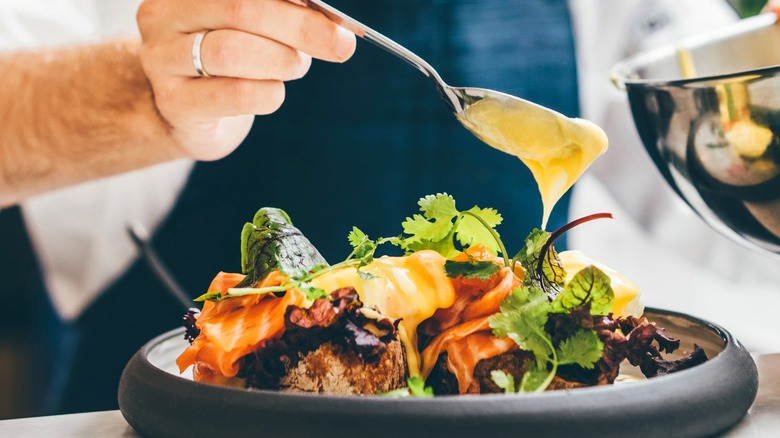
(333, 369)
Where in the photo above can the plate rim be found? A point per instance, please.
(553, 413)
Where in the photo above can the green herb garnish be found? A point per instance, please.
(212, 295)
(504, 381)
(481, 269)
(524, 314)
(589, 286)
(541, 263)
(415, 388)
(440, 224)
(270, 242)
(523, 318)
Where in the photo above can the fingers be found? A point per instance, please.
(249, 47)
(282, 21)
(201, 100)
(210, 117)
(231, 53)
(242, 55)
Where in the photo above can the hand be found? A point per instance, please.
(251, 47)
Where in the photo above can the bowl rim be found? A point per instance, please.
(622, 73)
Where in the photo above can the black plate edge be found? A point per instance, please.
(695, 402)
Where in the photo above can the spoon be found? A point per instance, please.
(458, 98)
(140, 236)
(556, 149)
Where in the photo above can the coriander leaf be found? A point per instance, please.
(417, 387)
(315, 293)
(536, 378)
(445, 246)
(436, 221)
(395, 240)
(441, 224)
(583, 348)
(589, 285)
(471, 269)
(312, 293)
(438, 206)
(504, 381)
(356, 237)
(523, 316)
(421, 229)
(470, 230)
(363, 247)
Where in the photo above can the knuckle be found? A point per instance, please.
(321, 37)
(294, 64)
(310, 29)
(146, 59)
(152, 59)
(222, 53)
(237, 10)
(165, 96)
(146, 14)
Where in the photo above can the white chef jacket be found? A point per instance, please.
(80, 233)
(655, 239)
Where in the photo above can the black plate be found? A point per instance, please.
(701, 401)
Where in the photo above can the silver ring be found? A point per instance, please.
(196, 61)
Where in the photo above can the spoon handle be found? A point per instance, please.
(373, 37)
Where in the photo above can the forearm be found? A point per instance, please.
(75, 114)
(84, 112)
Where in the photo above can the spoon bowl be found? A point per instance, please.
(556, 149)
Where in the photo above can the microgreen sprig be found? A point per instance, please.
(557, 233)
(362, 254)
(441, 225)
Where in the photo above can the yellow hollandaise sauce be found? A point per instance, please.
(410, 288)
(557, 149)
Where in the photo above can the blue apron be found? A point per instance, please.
(354, 144)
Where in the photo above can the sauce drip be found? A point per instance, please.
(556, 149)
(408, 288)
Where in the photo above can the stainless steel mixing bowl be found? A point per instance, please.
(715, 133)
